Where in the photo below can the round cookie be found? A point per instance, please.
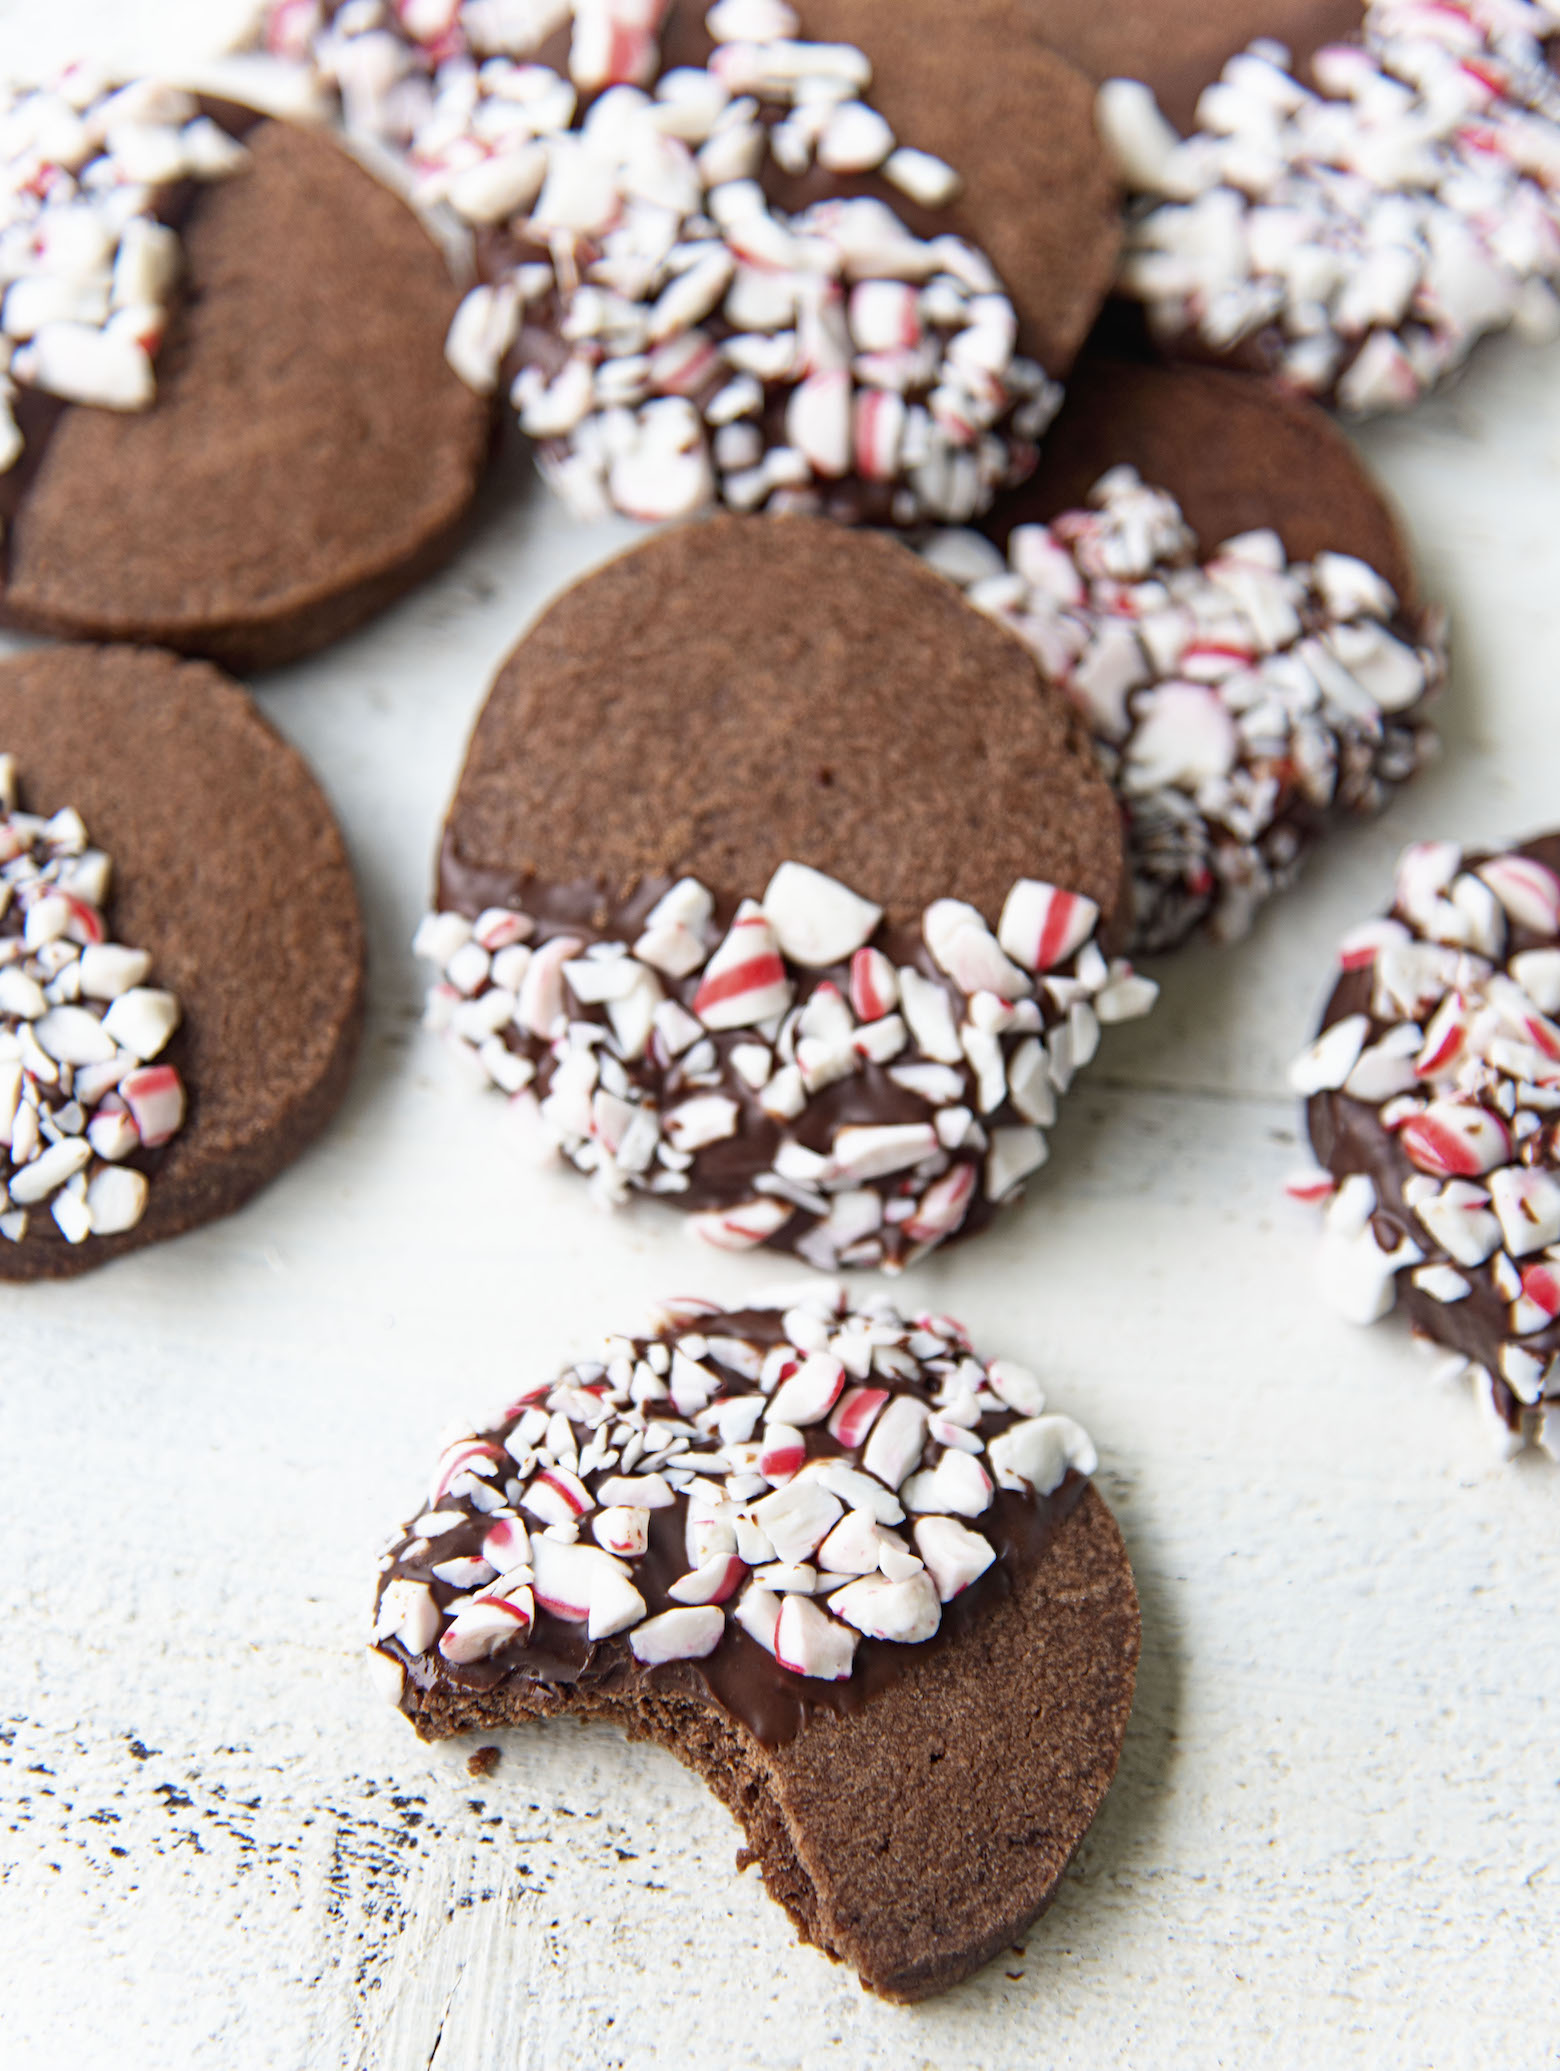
(1203, 564)
(1431, 1096)
(767, 261)
(1355, 222)
(308, 456)
(852, 1575)
(229, 871)
(753, 798)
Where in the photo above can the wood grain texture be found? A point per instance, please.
(1332, 1840)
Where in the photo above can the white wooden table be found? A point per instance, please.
(1333, 1839)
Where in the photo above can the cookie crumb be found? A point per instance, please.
(484, 1761)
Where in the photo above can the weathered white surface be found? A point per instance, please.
(1333, 1839)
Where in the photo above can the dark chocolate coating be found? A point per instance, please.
(1236, 451)
(230, 870)
(1180, 46)
(738, 692)
(310, 455)
(1347, 1137)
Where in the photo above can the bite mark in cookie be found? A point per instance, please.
(824, 1556)
(1433, 1092)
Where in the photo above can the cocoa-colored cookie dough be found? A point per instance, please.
(1180, 46)
(913, 1760)
(732, 695)
(1237, 452)
(309, 455)
(229, 869)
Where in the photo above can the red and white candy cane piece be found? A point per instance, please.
(817, 421)
(880, 417)
(798, 1518)
(807, 1396)
(1445, 1039)
(854, 1415)
(954, 1555)
(1541, 1288)
(1529, 891)
(874, 988)
(1456, 1139)
(1041, 926)
(1361, 946)
(499, 927)
(810, 1643)
(1526, 1201)
(711, 1583)
(909, 1611)
(1460, 1220)
(564, 1575)
(783, 1452)
(964, 947)
(943, 1207)
(465, 1456)
(1312, 1184)
(745, 980)
(155, 1098)
(541, 1005)
(623, 1529)
(506, 1544)
(557, 1497)
(816, 919)
(486, 1624)
(681, 1635)
(896, 1441)
(758, 1613)
(740, 1228)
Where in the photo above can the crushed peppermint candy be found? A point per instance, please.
(87, 270)
(1434, 1093)
(1236, 704)
(813, 1477)
(792, 1070)
(1362, 236)
(81, 1098)
(668, 336)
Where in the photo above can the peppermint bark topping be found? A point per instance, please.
(80, 1093)
(1235, 703)
(669, 335)
(813, 1480)
(86, 268)
(1365, 234)
(796, 1071)
(1440, 1065)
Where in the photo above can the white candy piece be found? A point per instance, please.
(682, 1635)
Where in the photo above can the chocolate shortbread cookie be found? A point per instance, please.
(1352, 215)
(851, 1574)
(824, 263)
(1432, 1093)
(1205, 567)
(293, 455)
(181, 958)
(780, 878)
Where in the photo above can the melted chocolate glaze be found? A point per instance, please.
(1347, 1137)
(746, 1682)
